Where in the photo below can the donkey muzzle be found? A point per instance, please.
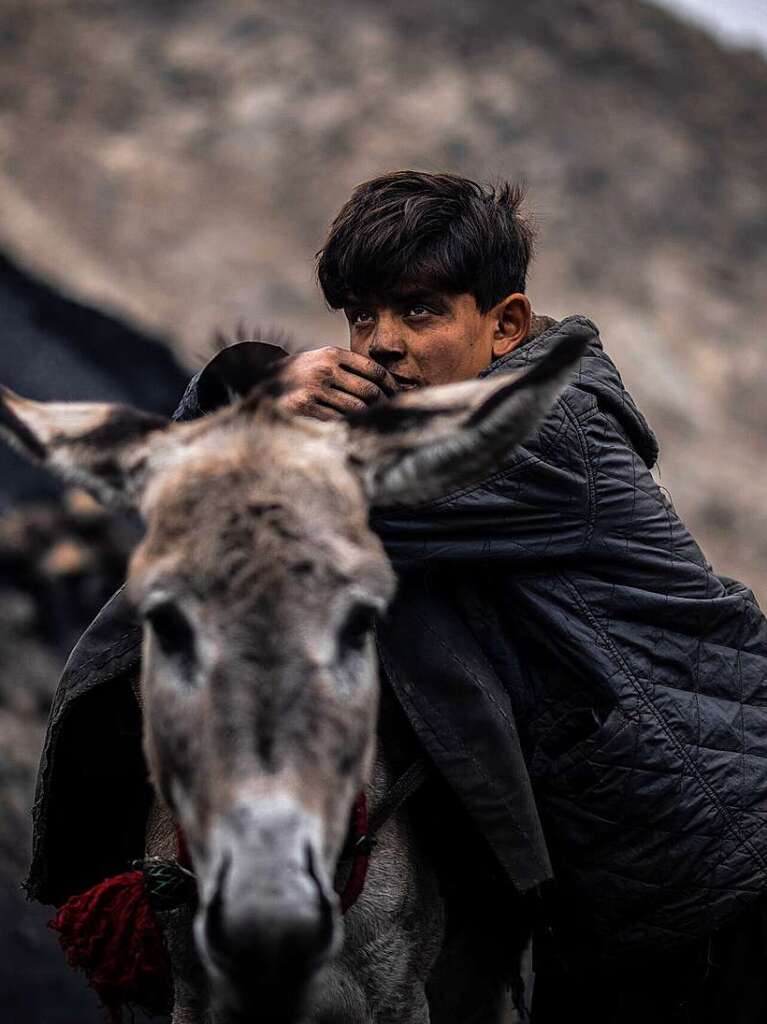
(268, 917)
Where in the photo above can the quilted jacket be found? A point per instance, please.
(590, 688)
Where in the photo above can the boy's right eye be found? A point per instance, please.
(359, 317)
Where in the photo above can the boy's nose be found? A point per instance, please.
(387, 344)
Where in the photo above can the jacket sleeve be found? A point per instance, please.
(538, 506)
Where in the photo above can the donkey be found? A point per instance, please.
(259, 582)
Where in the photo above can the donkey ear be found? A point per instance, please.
(424, 444)
(100, 447)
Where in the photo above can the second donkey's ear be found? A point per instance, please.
(103, 448)
(424, 444)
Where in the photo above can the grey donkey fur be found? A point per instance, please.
(259, 580)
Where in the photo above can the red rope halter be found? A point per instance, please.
(361, 846)
(110, 932)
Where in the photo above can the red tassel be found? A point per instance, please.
(110, 932)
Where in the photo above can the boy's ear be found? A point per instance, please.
(513, 318)
(424, 444)
(101, 447)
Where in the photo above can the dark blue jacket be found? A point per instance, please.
(566, 655)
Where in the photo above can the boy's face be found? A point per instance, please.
(424, 337)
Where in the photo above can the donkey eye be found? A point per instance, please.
(357, 628)
(172, 630)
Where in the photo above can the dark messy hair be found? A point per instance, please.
(438, 231)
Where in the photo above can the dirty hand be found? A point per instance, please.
(330, 383)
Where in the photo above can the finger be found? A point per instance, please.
(302, 402)
(340, 401)
(318, 411)
(357, 387)
(363, 366)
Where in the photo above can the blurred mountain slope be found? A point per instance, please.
(181, 151)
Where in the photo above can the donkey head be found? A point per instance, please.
(259, 581)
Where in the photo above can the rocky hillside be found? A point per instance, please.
(180, 161)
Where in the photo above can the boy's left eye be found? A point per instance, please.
(419, 310)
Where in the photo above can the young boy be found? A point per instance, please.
(590, 689)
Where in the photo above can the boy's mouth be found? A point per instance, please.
(404, 383)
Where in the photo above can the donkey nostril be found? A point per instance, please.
(325, 906)
(214, 923)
